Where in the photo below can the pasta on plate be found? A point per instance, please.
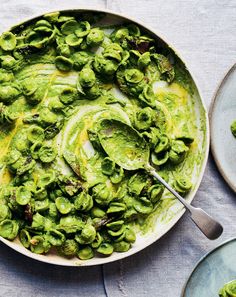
(60, 75)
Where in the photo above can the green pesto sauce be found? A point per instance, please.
(61, 77)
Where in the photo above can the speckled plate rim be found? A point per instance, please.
(203, 259)
(169, 225)
(212, 141)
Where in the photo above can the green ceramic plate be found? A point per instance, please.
(213, 271)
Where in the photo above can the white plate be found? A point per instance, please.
(160, 226)
(223, 143)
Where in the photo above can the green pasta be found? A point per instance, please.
(228, 290)
(61, 74)
(233, 128)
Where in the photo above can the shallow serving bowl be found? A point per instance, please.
(164, 221)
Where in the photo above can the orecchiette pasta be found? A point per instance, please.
(60, 75)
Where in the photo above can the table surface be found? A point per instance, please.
(204, 32)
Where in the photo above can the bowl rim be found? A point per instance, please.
(225, 242)
(211, 112)
(176, 218)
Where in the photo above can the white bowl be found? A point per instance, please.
(160, 227)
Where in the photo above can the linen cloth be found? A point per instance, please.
(203, 31)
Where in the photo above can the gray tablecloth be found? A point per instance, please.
(204, 33)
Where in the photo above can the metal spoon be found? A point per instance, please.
(132, 153)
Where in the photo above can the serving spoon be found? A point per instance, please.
(127, 148)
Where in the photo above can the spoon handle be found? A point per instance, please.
(209, 227)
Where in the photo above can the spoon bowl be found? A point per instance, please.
(132, 153)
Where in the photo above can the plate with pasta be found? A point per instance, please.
(62, 199)
(223, 127)
(214, 274)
